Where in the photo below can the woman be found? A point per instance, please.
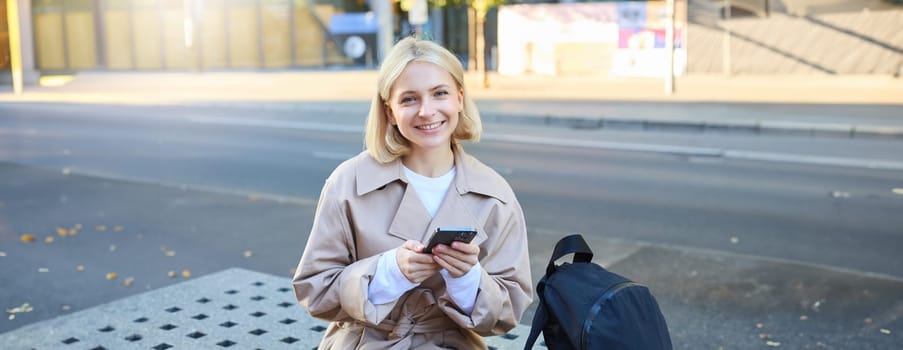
(364, 268)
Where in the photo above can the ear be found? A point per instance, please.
(389, 116)
(461, 99)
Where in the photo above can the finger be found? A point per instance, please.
(452, 269)
(455, 267)
(462, 256)
(469, 248)
(413, 246)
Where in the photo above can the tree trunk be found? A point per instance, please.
(471, 40)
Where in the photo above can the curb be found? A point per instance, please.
(751, 127)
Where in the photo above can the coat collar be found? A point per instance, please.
(471, 176)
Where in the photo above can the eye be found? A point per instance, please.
(441, 93)
(406, 100)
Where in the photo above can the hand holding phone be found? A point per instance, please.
(446, 235)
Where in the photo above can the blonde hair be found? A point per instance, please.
(383, 141)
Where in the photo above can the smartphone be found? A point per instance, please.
(446, 235)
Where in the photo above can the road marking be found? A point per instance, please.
(201, 188)
(279, 124)
(617, 146)
(332, 155)
(816, 160)
(840, 194)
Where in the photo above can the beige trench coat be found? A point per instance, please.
(366, 209)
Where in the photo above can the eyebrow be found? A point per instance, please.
(437, 87)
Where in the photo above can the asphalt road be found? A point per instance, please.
(824, 215)
(219, 188)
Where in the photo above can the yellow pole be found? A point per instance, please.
(15, 45)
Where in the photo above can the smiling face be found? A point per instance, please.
(424, 103)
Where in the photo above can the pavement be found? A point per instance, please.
(824, 104)
(711, 300)
(225, 260)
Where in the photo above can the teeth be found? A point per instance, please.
(430, 126)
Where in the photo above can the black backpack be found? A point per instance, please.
(584, 306)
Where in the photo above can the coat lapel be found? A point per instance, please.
(411, 217)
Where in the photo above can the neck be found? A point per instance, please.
(430, 163)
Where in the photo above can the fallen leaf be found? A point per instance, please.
(111, 275)
(735, 240)
(128, 281)
(101, 228)
(171, 274)
(12, 317)
(26, 238)
(43, 269)
(62, 231)
(80, 268)
(248, 253)
(804, 317)
(186, 273)
(112, 247)
(252, 198)
(73, 232)
(118, 228)
(2, 254)
(66, 307)
(20, 309)
(48, 239)
(78, 226)
(759, 325)
(867, 320)
(170, 253)
(884, 331)
(772, 343)
(817, 304)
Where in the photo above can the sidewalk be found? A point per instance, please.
(824, 104)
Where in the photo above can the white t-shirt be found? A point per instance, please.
(431, 190)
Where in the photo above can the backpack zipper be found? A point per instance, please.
(597, 307)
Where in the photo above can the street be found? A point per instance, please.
(222, 188)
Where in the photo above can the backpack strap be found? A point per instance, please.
(573, 244)
(567, 245)
(539, 319)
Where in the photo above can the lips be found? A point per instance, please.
(430, 126)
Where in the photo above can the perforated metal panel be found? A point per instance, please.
(232, 309)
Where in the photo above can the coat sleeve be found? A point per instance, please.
(505, 288)
(330, 282)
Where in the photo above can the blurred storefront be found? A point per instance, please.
(72, 35)
(65, 36)
(603, 38)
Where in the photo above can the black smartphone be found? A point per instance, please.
(446, 235)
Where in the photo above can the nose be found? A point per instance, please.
(426, 109)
